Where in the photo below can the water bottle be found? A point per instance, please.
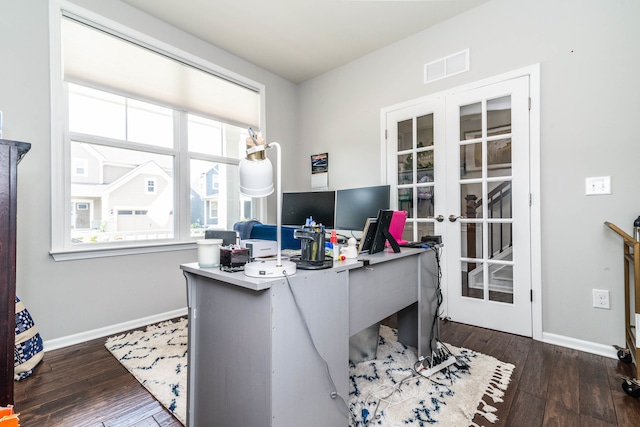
(636, 229)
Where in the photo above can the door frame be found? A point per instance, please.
(533, 71)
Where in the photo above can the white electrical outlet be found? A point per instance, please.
(601, 299)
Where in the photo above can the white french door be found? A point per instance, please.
(459, 164)
(487, 207)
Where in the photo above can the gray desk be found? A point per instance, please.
(251, 362)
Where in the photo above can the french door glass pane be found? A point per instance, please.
(499, 157)
(425, 131)
(405, 135)
(471, 121)
(405, 197)
(471, 200)
(499, 199)
(471, 160)
(500, 240)
(501, 283)
(472, 280)
(471, 240)
(499, 116)
(405, 169)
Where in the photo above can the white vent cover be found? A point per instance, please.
(448, 66)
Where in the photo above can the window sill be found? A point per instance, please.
(103, 252)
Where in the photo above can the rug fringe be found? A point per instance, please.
(495, 390)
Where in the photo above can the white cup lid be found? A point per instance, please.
(210, 242)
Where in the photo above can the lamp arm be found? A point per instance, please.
(278, 202)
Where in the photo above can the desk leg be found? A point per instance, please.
(408, 325)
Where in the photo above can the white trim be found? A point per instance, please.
(576, 344)
(74, 339)
(103, 252)
(534, 189)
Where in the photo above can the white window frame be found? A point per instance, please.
(61, 248)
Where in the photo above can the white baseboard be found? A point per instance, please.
(576, 344)
(57, 343)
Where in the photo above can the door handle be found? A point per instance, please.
(439, 218)
(453, 218)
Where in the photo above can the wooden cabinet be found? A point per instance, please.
(11, 152)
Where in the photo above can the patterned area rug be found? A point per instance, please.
(157, 358)
(383, 392)
(387, 392)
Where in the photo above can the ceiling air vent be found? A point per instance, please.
(448, 66)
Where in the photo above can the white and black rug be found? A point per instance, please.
(157, 358)
(383, 392)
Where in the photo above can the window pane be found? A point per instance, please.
(405, 135)
(471, 160)
(96, 113)
(405, 169)
(499, 116)
(471, 121)
(116, 191)
(425, 131)
(471, 240)
(205, 135)
(471, 200)
(149, 124)
(215, 197)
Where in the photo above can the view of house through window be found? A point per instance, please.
(124, 194)
(150, 142)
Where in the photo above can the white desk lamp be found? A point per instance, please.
(256, 180)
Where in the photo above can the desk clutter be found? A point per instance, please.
(310, 246)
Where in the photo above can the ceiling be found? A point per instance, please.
(300, 39)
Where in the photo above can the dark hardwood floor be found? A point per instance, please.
(84, 386)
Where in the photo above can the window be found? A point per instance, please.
(150, 186)
(213, 209)
(80, 167)
(158, 166)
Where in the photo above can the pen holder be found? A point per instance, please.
(311, 243)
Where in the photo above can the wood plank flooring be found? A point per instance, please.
(84, 386)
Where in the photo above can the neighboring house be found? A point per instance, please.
(120, 199)
(205, 199)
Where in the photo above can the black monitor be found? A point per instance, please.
(298, 206)
(382, 234)
(355, 205)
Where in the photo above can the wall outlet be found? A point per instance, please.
(601, 299)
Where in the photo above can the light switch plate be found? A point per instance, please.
(598, 185)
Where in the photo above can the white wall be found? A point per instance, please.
(73, 297)
(588, 51)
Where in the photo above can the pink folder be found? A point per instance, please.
(396, 228)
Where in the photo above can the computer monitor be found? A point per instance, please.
(382, 233)
(298, 206)
(355, 205)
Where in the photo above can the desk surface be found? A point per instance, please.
(259, 284)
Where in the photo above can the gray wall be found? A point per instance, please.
(588, 51)
(589, 67)
(72, 297)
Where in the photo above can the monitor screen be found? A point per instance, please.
(297, 207)
(355, 205)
